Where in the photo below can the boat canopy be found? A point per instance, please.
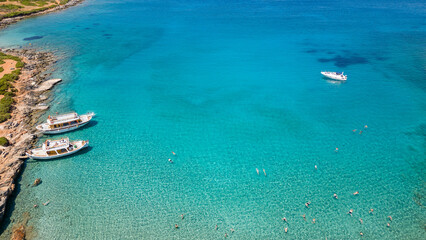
(67, 117)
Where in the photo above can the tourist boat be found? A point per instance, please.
(56, 148)
(64, 123)
(335, 75)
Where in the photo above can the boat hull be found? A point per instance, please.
(59, 131)
(86, 144)
(43, 128)
(334, 76)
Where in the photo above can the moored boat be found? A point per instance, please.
(56, 148)
(64, 123)
(335, 75)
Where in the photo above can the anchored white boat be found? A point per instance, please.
(56, 148)
(64, 123)
(335, 75)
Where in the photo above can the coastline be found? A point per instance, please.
(7, 21)
(32, 86)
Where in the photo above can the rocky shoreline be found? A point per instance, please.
(7, 21)
(32, 86)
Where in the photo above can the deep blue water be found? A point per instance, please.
(231, 86)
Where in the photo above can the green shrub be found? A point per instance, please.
(1, 69)
(10, 7)
(6, 104)
(4, 117)
(4, 142)
(19, 64)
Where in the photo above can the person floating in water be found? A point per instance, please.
(390, 218)
(313, 221)
(226, 235)
(365, 126)
(170, 160)
(307, 204)
(173, 153)
(257, 170)
(232, 230)
(350, 212)
(316, 168)
(285, 230)
(284, 219)
(362, 234)
(371, 211)
(176, 226)
(335, 196)
(360, 220)
(355, 193)
(264, 172)
(182, 216)
(304, 217)
(215, 228)
(388, 224)
(337, 149)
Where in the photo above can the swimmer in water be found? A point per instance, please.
(285, 230)
(173, 153)
(390, 218)
(337, 149)
(388, 224)
(360, 131)
(170, 160)
(264, 172)
(316, 168)
(35, 206)
(371, 211)
(284, 219)
(362, 234)
(307, 204)
(355, 193)
(176, 226)
(354, 130)
(257, 170)
(304, 217)
(350, 212)
(360, 220)
(46, 203)
(182, 216)
(232, 230)
(365, 126)
(335, 196)
(215, 228)
(226, 235)
(313, 221)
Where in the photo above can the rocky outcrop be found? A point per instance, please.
(32, 86)
(36, 182)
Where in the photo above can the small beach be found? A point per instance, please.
(218, 111)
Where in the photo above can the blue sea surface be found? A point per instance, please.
(231, 86)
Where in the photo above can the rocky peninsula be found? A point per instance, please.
(14, 11)
(29, 103)
(30, 93)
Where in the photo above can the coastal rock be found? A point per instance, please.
(18, 233)
(37, 182)
(47, 85)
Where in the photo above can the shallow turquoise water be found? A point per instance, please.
(232, 86)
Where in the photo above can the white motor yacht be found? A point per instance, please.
(64, 123)
(335, 75)
(56, 148)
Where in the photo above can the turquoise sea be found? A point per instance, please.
(231, 86)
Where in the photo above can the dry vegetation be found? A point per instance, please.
(14, 8)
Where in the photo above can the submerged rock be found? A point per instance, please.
(37, 182)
